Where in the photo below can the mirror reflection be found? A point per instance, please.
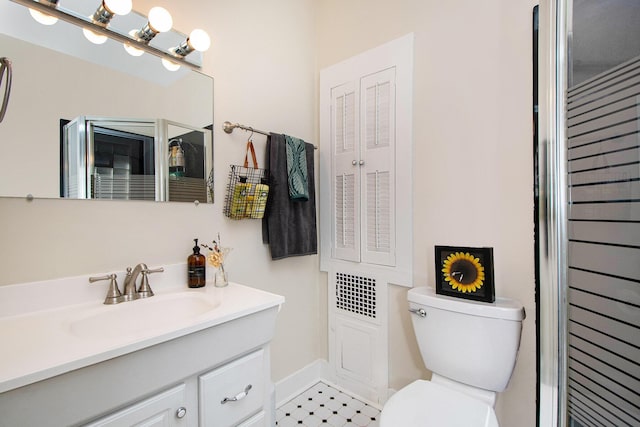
(130, 159)
(76, 128)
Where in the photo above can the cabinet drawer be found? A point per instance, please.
(233, 392)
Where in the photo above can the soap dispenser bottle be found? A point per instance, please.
(196, 268)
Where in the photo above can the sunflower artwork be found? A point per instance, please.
(465, 272)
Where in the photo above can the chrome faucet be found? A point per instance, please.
(130, 292)
(114, 296)
(144, 291)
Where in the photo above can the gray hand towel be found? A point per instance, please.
(289, 226)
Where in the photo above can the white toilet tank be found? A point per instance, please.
(475, 343)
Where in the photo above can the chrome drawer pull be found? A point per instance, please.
(238, 396)
(419, 311)
(181, 412)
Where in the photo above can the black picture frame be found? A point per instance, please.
(454, 262)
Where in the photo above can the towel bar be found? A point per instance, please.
(228, 127)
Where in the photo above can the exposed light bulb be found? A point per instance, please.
(199, 40)
(160, 19)
(170, 65)
(118, 7)
(43, 18)
(131, 50)
(94, 37)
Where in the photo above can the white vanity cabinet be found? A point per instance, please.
(234, 394)
(217, 375)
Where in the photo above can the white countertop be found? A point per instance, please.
(42, 336)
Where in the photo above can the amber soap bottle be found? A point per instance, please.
(196, 268)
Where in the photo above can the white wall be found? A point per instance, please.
(264, 77)
(473, 150)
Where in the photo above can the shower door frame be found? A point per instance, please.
(553, 55)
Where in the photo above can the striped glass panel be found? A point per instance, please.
(603, 347)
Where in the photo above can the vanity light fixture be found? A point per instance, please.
(103, 15)
(96, 27)
(160, 21)
(170, 65)
(198, 40)
(44, 18)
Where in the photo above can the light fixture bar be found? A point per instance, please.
(84, 23)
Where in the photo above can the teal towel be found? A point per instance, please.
(297, 169)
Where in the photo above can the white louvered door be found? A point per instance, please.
(363, 140)
(345, 172)
(377, 159)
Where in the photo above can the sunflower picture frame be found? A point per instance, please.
(465, 272)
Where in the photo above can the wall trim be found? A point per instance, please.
(292, 385)
(299, 381)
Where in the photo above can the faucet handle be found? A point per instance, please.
(113, 293)
(155, 270)
(145, 289)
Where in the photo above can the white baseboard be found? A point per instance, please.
(291, 386)
(299, 381)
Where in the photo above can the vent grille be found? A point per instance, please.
(356, 294)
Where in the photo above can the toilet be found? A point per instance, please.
(471, 348)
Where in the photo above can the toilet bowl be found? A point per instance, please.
(471, 349)
(425, 403)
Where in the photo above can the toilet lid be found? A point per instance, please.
(423, 403)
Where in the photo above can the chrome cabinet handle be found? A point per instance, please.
(181, 412)
(419, 311)
(238, 396)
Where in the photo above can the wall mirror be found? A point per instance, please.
(76, 105)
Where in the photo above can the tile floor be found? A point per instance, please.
(323, 405)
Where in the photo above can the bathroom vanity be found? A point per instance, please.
(184, 357)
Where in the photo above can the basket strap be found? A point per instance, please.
(253, 155)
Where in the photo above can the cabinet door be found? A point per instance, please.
(366, 177)
(345, 171)
(377, 160)
(162, 410)
(233, 392)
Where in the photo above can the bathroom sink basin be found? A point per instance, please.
(142, 316)
(54, 327)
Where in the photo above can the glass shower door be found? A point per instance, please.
(603, 214)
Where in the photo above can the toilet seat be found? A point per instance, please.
(424, 403)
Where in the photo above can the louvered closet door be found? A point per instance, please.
(345, 171)
(603, 128)
(377, 149)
